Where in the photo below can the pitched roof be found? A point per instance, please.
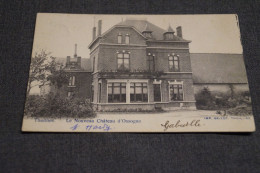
(218, 68)
(85, 63)
(140, 25)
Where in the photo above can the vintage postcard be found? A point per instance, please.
(137, 73)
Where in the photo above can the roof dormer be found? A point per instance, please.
(169, 34)
(147, 32)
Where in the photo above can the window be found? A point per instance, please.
(94, 59)
(138, 92)
(119, 39)
(92, 93)
(127, 39)
(157, 92)
(169, 36)
(72, 65)
(116, 92)
(123, 61)
(99, 92)
(147, 34)
(72, 81)
(70, 94)
(151, 66)
(174, 63)
(176, 92)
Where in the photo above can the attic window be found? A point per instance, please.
(169, 36)
(148, 34)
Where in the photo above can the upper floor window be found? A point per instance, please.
(151, 65)
(174, 63)
(123, 61)
(72, 81)
(119, 38)
(127, 39)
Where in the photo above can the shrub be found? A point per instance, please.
(242, 104)
(205, 100)
(234, 104)
(240, 110)
(57, 106)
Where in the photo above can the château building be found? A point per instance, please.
(138, 65)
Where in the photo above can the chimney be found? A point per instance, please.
(179, 31)
(79, 61)
(68, 60)
(75, 55)
(99, 27)
(94, 33)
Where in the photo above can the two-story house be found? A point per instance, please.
(140, 66)
(79, 78)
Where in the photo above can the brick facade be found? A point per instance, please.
(104, 56)
(82, 87)
(80, 79)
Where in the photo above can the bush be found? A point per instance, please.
(205, 100)
(208, 101)
(57, 106)
(242, 105)
(240, 110)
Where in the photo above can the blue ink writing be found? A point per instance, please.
(75, 127)
(105, 127)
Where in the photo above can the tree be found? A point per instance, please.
(58, 76)
(204, 99)
(45, 70)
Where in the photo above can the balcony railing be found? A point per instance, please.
(127, 72)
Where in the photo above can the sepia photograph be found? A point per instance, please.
(137, 73)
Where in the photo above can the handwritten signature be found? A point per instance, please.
(167, 125)
(103, 127)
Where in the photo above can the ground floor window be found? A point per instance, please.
(116, 92)
(72, 81)
(70, 94)
(99, 92)
(157, 92)
(92, 93)
(176, 92)
(138, 92)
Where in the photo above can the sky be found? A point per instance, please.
(58, 33)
